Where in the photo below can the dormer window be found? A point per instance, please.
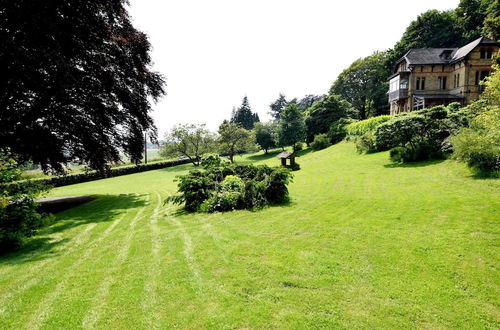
(446, 54)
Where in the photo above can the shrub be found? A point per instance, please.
(337, 131)
(362, 127)
(232, 187)
(19, 218)
(298, 146)
(321, 141)
(212, 160)
(398, 154)
(479, 145)
(366, 143)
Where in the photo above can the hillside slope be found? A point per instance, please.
(362, 243)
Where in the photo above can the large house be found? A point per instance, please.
(438, 76)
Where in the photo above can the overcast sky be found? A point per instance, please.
(215, 52)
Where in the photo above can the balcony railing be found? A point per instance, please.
(398, 94)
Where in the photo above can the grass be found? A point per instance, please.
(362, 244)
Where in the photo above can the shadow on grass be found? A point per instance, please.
(414, 164)
(103, 209)
(179, 168)
(267, 156)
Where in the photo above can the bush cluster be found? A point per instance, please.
(19, 218)
(321, 141)
(418, 135)
(231, 187)
(479, 145)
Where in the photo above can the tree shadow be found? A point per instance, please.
(415, 164)
(304, 152)
(179, 168)
(261, 157)
(104, 208)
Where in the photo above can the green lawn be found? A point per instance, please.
(362, 244)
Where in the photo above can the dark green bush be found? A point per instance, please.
(231, 187)
(212, 160)
(366, 143)
(19, 218)
(298, 146)
(321, 141)
(337, 131)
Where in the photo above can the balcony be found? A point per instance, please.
(398, 94)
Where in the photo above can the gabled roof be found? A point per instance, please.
(465, 50)
(420, 56)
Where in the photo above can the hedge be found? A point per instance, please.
(67, 180)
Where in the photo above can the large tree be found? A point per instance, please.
(190, 141)
(244, 115)
(291, 126)
(364, 85)
(322, 114)
(76, 82)
(278, 106)
(307, 101)
(264, 135)
(234, 139)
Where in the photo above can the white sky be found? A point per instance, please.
(215, 52)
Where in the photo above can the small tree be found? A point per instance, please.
(189, 140)
(292, 128)
(233, 139)
(264, 136)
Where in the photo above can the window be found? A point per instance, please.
(420, 83)
(432, 68)
(442, 68)
(458, 80)
(421, 68)
(486, 53)
(477, 78)
(441, 83)
(482, 54)
(484, 74)
(489, 53)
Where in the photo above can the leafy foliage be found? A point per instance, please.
(265, 135)
(234, 139)
(479, 144)
(364, 85)
(325, 112)
(321, 141)
(291, 126)
(232, 187)
(19, 218)
(337, 131)
(76, 83)
(364, 126)
(190, 141)
(278, 106)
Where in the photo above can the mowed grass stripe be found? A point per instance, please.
(45, 307)
(21, 283)
(100, 299)
(49, 278)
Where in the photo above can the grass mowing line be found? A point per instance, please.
(37, 252)
(150, 301)
(29, 279)
(94, 314)
(44, 307)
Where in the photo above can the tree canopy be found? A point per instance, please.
(264, 135)
(291, 126)
(322, 114)
(190, 141)
(278, 106)
(364, 85)
(76, 83)
(244, 115)
(233, 139)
